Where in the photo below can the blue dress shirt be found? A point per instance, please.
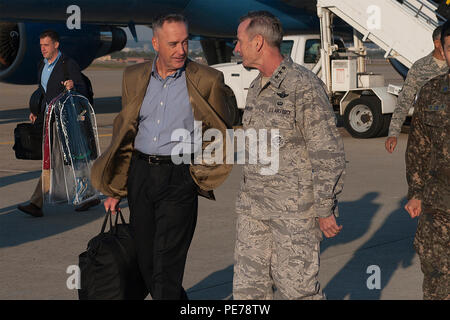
(47, 71)
(165, 108)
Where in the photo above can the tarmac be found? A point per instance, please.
(37, 253)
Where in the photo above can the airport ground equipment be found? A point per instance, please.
(402, 29)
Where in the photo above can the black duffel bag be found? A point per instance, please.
(109, 267)
(28, 141)
(28, 136)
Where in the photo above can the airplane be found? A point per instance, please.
(214, 22)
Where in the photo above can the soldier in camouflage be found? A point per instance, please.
(421, 72)
(281, 216)
(428, 175)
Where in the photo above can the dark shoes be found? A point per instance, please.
(31, 209)
(91, 203)
(35, 211)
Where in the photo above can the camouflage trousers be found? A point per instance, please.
(277, 259)
(432, 243)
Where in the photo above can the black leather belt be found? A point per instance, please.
(154, 159)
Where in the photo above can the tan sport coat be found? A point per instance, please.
(212, 103)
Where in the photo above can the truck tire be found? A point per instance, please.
(363, 118)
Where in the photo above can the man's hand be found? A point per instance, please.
(111, 204)
(390, 144)
(414, 207)
(68, 84)
(32, 117)
(329, 226)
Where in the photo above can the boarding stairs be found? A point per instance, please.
(403, 29)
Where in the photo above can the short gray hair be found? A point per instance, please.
(173, 17)
(265, 24)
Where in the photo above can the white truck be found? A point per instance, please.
(360, 98)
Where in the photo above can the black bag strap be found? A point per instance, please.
(122, 219)
(108, 216)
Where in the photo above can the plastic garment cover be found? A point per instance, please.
(70, 148)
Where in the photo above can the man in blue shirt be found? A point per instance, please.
(52, 81)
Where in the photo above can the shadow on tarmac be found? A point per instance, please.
(390, 249)
(356, 218)
(15, 115)
(17, 227)
(6, 181)
(216, 286)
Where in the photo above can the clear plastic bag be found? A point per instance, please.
(71, 131)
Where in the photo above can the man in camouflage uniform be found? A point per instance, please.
(420, 73)
(281, 215)
(428, 175)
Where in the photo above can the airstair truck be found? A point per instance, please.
(402, 29)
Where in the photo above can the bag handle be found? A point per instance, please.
(122, 219)
(108, 216)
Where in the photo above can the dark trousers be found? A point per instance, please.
(432, 245)
(163, 206)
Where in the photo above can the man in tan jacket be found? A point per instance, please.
(159, 98)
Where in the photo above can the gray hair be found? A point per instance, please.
(265, 24)
(173, 17)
